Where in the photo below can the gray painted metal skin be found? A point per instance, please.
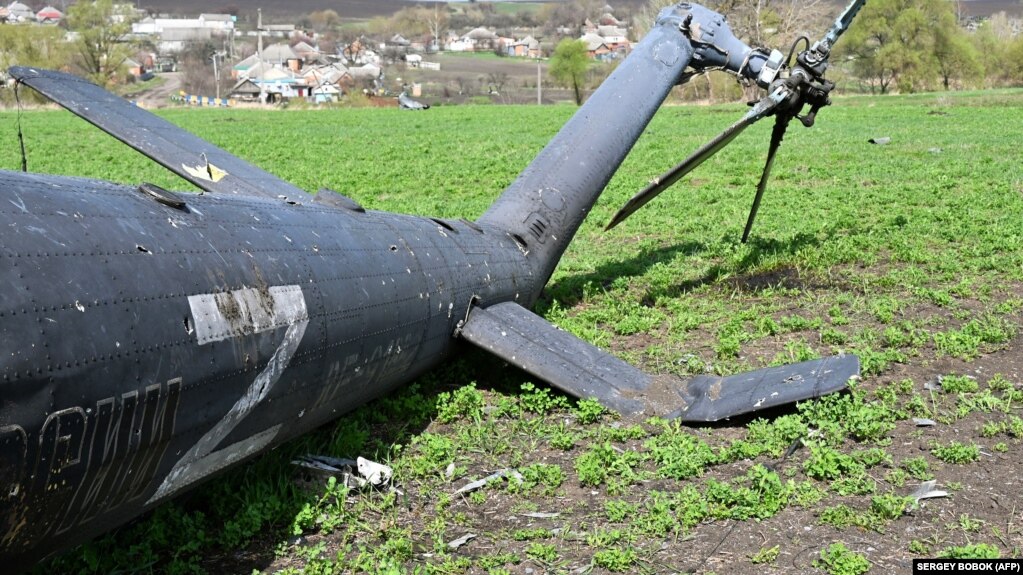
(150, 340)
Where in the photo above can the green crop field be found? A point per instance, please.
(908, 254)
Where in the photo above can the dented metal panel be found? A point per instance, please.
(711, 398)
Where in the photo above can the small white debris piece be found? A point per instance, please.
(880, 141)
(376, 473)
(354, 474)
(456, 543)
(450, 471)
(540, 515)
(480, 483)
(927, 491)
(924, 422)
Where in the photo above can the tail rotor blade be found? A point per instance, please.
(763, 108)
(780, 124)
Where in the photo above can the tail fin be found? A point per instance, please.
(544, 207)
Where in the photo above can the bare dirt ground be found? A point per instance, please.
(159, 97)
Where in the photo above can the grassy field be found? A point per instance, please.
(909, 255)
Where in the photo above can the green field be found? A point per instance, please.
(909, 255)
(516, 7)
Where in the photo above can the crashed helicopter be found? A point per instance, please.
(151, 339)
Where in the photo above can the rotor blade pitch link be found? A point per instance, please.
(781, 122)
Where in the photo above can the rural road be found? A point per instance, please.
(159, 97)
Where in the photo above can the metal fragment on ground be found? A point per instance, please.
(926, 490)
(456, 543)
(540, 515)
(880, 141)
(353, 473)
(480, 483)
(924, 422)
(325, 463)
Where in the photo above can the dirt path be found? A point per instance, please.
(159, 97)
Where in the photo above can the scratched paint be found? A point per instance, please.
(239, 312)
(220, 316)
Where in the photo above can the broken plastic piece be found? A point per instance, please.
(540, 515)
(926, 490)
(480, 483)
(880, 141)
(376, 473)
(924, 422)
(456, 543)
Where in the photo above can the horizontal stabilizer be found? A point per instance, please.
(568, 363)
(206, 166)
(710, 398)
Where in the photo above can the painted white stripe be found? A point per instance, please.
(216, 461)
(220, 316)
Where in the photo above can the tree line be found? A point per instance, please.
(892, 45)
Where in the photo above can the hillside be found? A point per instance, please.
(348, 9)
(366, 9)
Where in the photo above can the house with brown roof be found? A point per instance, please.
(596, 48)
(527, 47)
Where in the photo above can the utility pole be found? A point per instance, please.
(539, 80)
(259, 33)
(216, 74)
(259, 51)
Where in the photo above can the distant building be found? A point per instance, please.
(282, 55)
(176, 39)
(398, 41)
(217, 22)
(18, 12)
(476, 40)
(49, 15)
(240, 70)
(596, 48)
(306, 52)
(527, 47)
(615, 38)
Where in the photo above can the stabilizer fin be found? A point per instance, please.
(206, 166)
(568, 363)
